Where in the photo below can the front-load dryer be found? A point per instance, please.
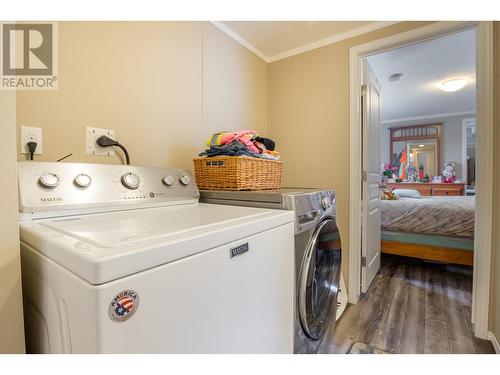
(317, 249)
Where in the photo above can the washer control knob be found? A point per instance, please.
(326, 202)
(82, 180)
(168, 180)
(185, 180)
(49, 180)
(131, 181)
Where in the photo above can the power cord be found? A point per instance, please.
(64, 157)
(105, 141)
(31, 148)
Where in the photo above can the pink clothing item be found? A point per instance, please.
(244, 136)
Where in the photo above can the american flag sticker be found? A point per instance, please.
(123, 306)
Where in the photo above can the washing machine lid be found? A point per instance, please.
(106, 246)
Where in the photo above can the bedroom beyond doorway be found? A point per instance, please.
(422, 177)
(427, 90)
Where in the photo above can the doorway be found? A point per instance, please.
(484, 118)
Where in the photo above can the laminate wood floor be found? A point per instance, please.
(412, 307)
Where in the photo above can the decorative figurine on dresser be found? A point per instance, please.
(449, 174)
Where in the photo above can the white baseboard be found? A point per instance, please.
(494, 341)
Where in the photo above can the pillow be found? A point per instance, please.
(407, 193)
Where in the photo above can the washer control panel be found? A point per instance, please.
(46, 188)
(185, 180)
(131, 181)
(83, 180)
(168, 180)
(49, 180)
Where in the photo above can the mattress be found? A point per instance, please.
(439, 215)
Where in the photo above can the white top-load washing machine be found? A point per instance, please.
(123, 259)
(320, 294)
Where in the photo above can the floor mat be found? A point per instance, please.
(362, 348)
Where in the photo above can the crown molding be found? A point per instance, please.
(307, 47)
(237, 37)
(332, 39)
(427, 117)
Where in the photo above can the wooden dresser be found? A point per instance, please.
(430, 188)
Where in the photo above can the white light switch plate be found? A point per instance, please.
(30, 134)
(92, 148)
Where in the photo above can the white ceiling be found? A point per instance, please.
(274, 40)
(424, 65)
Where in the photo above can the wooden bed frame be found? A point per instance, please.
(426, 252)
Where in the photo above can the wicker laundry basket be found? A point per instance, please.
(237, 173)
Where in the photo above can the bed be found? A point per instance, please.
(432, 228)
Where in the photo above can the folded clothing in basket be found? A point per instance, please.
(224, 138)
(265, 153)
(235, 148)
(246, 142)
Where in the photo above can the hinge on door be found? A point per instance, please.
(363, 261)
(365, 176)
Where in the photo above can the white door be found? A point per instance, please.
(370, 241)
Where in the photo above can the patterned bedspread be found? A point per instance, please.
(430, 215)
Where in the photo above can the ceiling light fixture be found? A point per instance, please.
(395, 77)
(421, 145)
(452, 85)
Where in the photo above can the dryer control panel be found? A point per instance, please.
(57, 189)
(310, 207)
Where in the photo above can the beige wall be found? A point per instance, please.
(495, 266)
(309, 118)
(235, 85)
(163, 86)
(11, 315)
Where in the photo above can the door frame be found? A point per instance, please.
(484, 181)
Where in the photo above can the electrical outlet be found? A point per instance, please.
(92, 148)
(30, 134)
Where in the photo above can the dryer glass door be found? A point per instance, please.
(319, 280)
